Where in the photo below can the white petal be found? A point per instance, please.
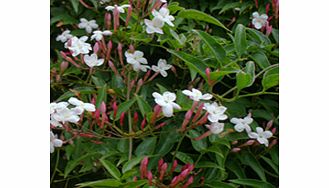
(259, 130)
(239, 127)
(167, 110)
(235, 120)
(163, 73)
(247, 120)
(77, 110)
(75, 101)
(252, 135)
(206, 96)
(176, 106)
(255, 14)
(187, 92)
(222, 117)
(212, 118)
(267, 134)
(57, 143)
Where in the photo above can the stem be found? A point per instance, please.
(129, 119)
(178, 145)
(200, 156)
(56, 165)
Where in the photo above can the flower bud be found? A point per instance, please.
(135, 118)
(163, 171)
(150, 177)
(235, 150)
(139, 85)
(129, 12)
(187, 119)
(174, 181)
(109, 49)
(198, 113)
(120, 54)
(107, 21)
(147, 75)
(273, 130)
(64, 66)
(115, 109)
(143, 167)
(122, 118)
(143, 123)
(273, 143)
(103, 107)
(111, 65)
(267, 8)
(174, 165)
(160, 125)
(96, 48)
(189, 182)
(269, 125)
(160, 163)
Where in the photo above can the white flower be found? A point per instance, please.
(162, 67)
(54, 107)
(261, 135)
(54, 122)
(136, 59)
(104, 1)
(66, 115)
(242, 124)
(166, 101)
(92, 60)
(64, 36)
(87, 25)
(215, 127)
(120, 8)
(54, 142)
(259, 21)
(215, 112)
(163, 1)
(163, 15)
(98, 35)
(81, 106)
(154, 26)
(78, 45)
(196, 95)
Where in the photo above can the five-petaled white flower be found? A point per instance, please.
(98, 35)
(166, 101)
(66, 115)
(163, 14)
(259, 21)
(81, 106)
(137, 60)
(64, 36)
(154, 26)
(54, 142)
(261, 135)
(78, 45)
(196, 95)
(92, 60)
(215, 127)
(162, 67)
(120, 8)
(216, 112)
(87, 25)
(54, 107)
(242, 124)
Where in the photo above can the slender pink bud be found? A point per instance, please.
(69, 59)
(143, 123)
(248, 143)
(204, 135)
(122, 118)
(132, 84)
(189, 182)
(113, 68)
(173, 69)
(135, 118)
(269, 125)
(174, 165)
(234, 142)
(143, 167)
(163, 171)
(195, 104)
(116, 18)
(131, 48)
(203, 120)
(138, 4)
(96, 48)
(130, 9)
(269, 29)
(107, 20)
(202, 179)
(187, 119)
(63, 55)
(115, 109)
(150, 177)
(135, 178)
(120, 53)
(235, 150)
(208, 74)
(183, 174)
(174, 181)
(139, 85)
(160, 163)
(103, 107)
(198, 113)
(64, 66)
(160, 125)
(256, 3)
(267, 9)
(157, 110)
(109, 48)
(147, 75)
(273, 130)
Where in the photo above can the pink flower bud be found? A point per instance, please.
(269, 125)
(189, 182)
(273, 143)
(103, 107)
(163, 171)
(235, 150)
(157, 110)
(183, 174)
(107, 21)
(268, 29)
(250, 142)
(114, 69)
(122, 118)
(147, 75)
(63, 55)
(174, 165)
(203, 120)
(160, 163)
(150, 177)
(135, 178)
(109, 49)
(131, 48)
(135, 118)
(174, 181)
(115, 109)
(116, 19)
(256, 3)
(96, 48)
(120, 54)
(273, 130)
(143, 167)
(64, 66)
(160, 125)
(143, 123)
(130, 9)
(187, 119)
(267, 8)
(234, 142)
(198, 113)
(139, 85)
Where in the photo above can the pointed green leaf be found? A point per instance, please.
(253, 183)
(111, 168)
(101, 183)
(240, 41)
(261, 59)
(123, 107)
(131, 164)
(144, 107)
(146, 147)
(101, 95)
(271, 78)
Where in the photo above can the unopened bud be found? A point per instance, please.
(150, 177)
(163, 171)
(273, 130)
(198, 113)
(235, 150)
(273, 143)
(174, 165)
(64, 66)
(189, 182)
(139, 85)
(160, 163)
(187, 119)
(234, 142)
(115, 109)
(160, 125)
(130, 9)
(143, 123)
(122, 118)
(143, 167)
(135, 118)
(96, 48)
(120, 54)
(147, 75)
(107, 20)
(109, 49)
(269, 125)
(103, 107)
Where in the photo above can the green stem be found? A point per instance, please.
(178, 145)
(200, 156)
(129, 119)
(56, 165)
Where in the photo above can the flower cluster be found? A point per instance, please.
(160, 18)
(244, 124)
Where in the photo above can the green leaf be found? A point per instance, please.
(229, 6)
(98, 81)
(184, 157)
(261, 59)
(81, 90)
(258, 36)
(271, 78)
(147, 147)
(101, 183)
(123, 145)
(167, 141)
(275, 34)
(101, 95)
(200, 145)
(253, 183)
(144, 107)
(131, 163)
(123, 107)
(208, 164)
(216, 184)
(201, 16)
(249, 160)
(75, 4)
(74, 163)
(271, 163)
(214, 46)
(192, 62)
(240, 41)
(111, 168)
(129, 174)
(243, 80)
